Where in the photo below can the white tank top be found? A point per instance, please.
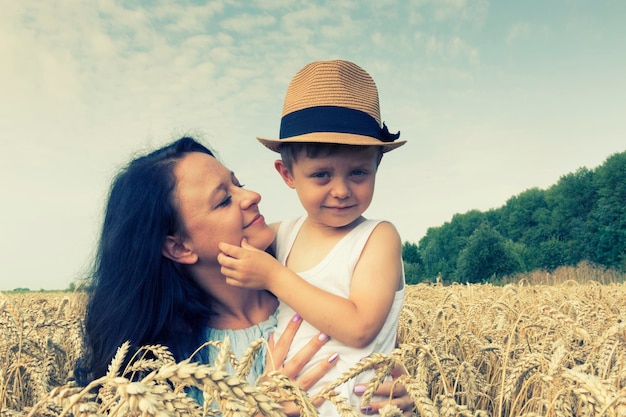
(333, 274)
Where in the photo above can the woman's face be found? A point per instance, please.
(215, 208)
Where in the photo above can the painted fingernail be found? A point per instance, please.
(366, 409)
(296, 318)
(322, 337)
(359, 389)
(333, 358)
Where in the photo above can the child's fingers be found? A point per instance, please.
(246, 245)
(224, 247)
(225, 260)
(228, 249)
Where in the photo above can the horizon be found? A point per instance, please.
(77, 282)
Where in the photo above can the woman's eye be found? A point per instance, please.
(226, 201)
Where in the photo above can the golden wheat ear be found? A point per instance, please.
(527, 348)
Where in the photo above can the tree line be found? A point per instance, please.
(580, 218)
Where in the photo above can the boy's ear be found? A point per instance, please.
(284, 173)
(176, 249)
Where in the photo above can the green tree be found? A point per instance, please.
(551, 254)
(610, 212)
(521, 215)
(413, 270)
(441, 246)
(488, 255)
(581, 217)
(410, 253)
(413, 273)
(571, 202)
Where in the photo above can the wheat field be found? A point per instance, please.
(548, 345)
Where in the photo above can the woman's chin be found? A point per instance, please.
(262, 239)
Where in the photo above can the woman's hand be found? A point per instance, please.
(275, 361)
(397, 392)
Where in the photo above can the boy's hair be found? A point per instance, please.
(290, 151)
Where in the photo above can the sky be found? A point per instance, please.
(493, 98)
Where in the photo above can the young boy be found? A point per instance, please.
(343, 274)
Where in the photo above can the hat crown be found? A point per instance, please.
(333, 102)
(333, 83)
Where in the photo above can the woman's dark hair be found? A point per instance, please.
(139, 295)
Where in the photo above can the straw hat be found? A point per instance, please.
(333, 102)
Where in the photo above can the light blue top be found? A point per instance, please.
(240, 340)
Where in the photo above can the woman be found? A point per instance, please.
(156, 278)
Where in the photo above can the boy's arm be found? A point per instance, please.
(354, 321)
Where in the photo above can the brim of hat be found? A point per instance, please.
(332, 137)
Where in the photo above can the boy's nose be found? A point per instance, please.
(340, 189)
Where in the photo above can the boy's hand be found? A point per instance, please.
(247, 266)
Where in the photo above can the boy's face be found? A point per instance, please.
(336, 189)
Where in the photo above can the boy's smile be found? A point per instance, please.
(336, 189)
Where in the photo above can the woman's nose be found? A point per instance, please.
(249, 198)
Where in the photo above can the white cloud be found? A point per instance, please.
(188, 19)
(308, 16)
(342, 29)
(246, 24)
(448, 9)
(377, 39)
(519, 30)
(273, 4)
(449, 48)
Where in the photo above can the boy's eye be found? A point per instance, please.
(320, 175)
(359, 172)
